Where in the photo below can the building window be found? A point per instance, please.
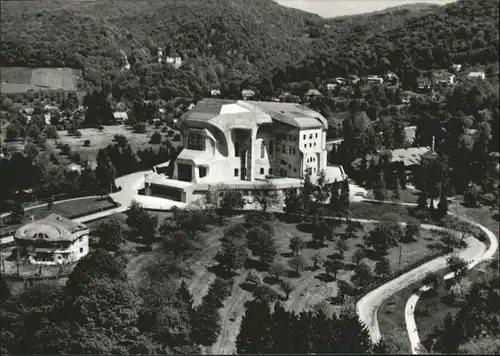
(304, 137)
(316, 135)
(262, 171)
(283, 162)
(237, 149)
(196, 141)
(294, 150)
(236, 172)
(284, 149)
(314, 144)
(262, 149)
(203, 171)
(295, 169)
(270, 171)
(80, 239)
(310, 145)
(305, 145)
(270, 147)
(289, 166)
(310, 136)
(290, 150)
(81, 249)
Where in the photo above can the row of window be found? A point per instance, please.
(310, 136)
(287, 137)
(310, 144)
(311, 159)
(196, 141)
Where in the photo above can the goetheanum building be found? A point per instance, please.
(241, 144)
(52, 240)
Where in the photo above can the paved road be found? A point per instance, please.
(474, 260)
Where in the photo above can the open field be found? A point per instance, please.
(66, 209)
(99, 140)
(22, 79)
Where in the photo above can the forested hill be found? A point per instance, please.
(91, 33)
(228, 41)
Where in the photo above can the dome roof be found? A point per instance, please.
(52, 228)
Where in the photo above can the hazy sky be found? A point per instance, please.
(332, 8)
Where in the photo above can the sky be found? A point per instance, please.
(332, 8)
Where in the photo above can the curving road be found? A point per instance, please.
(130, 184)
(411, 325)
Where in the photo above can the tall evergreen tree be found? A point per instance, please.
(254, 336)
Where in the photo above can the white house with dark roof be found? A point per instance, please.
(52, 240)
(242, 143)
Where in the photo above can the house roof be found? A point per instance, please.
(52, 228)
(313, 92)
(120, 115)
(408, 156)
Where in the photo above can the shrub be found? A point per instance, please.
(266, 294)
(253, 277)
(140, 127)
(155, 138)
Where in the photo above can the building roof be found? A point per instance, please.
(52, 228)
(227, 114)
(408, 156)
(120, 115)
(313, 92)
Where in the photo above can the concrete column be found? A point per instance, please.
(251, 155)
(194, 175)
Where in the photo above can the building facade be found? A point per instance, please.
(242, 142)
(52, 240)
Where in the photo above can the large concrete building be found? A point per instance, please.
(241, 144)
(52, 240)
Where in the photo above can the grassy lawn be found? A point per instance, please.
(66, 209)
(100, 139)
(408, 195)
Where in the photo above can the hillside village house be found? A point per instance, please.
(476, 75)
(215, 92)
(120, 116)
(354, 79)
(311, 94)
(174, 61)
(424, 84)
(241, 144)
(456, 67)
(247, 94)
(374, 79)
(445, 79)
(52, 240)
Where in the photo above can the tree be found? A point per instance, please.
(354, 337)
(110, 234)
(432, 280)
(262, 244)
(206, 324)
(218, 291)
(287, 287)
(99, 264)
(105, 171)
(296, 245)
(383, 267)
(358, 256)
(294, 207)
(332, 267)
(142, 223)
(317, 260)
(155, 138)
(277, 270)
(412, 230)
(233, 254)
(457, 265)
(363, 276)
(4, 290)
(266, 195)
(341, 247)
(297, 263)
(17, 213)
(254, 335)
(322, 192)
(231, 200)
(184, 294)
(471, 196)
(422, 201)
